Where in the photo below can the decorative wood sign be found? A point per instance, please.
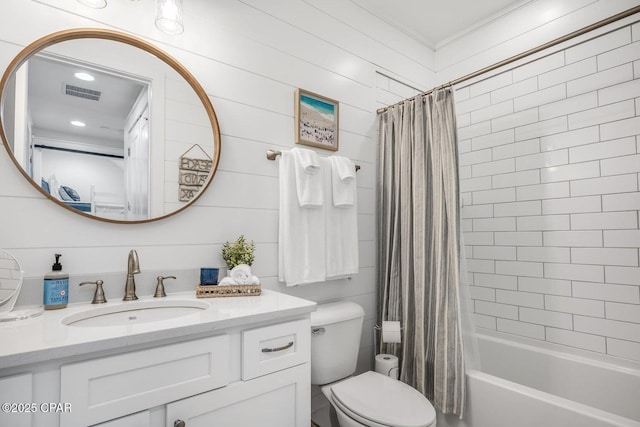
(195, 167)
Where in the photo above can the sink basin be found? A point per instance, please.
(136, 312)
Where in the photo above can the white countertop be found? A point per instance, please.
(46, 337)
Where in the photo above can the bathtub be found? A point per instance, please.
(526, 383)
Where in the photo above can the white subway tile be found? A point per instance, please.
(521, 328)
(493, 139)
(605, 256)
(464, 146)
(523, 299)
(570, 139)
(517, 208)
(474, 130)
(475, 238)
(493, 168)
(492, 112)
(495, 281)
(461, 94)
(584, 273)
(623, 275)
(471, 104)
(475, 184)
(573, 238)
(514, 120)
(606, 291)
(518, 238)
(491, 83)
(605, 185)
(620, 165)
(571, 205)
(608, 113)
(621, 55)
(474, 157)
(494, 196)
(464, 172)
(466, 225)
(635, 32)
(494, 224)
(480, 266)
(621, 202)
(576, 339)
(544, 286)
(620, 129)
(484, 321)
(539, 66)
(528, 177)
(547, 318)
(570, 172)
(617, 311)
(604, 221)
(465, 199)
(622, 238)
(542, 128)
(541, 97)
(607, 328)
(567, 73)
(495, 252)
(495, 309)
(544, 254)
(599, 80)
(543, 191)
(484, 294)
(625, 349)
(543, 160)
(586, 307)
(543, 222)
(477, 211)
(602, 150)
(569, 105)
(514, 90)
(636, 69)
(463, 120)
(598, 45)
(520, 268)
(516, 149)
(619, 92)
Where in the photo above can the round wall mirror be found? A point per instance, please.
(108, 126)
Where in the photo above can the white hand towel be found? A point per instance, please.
(341, 233)
(307, 177)
(343, 181)
(301, 247)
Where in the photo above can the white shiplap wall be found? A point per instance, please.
(249, 56)
(550, 173)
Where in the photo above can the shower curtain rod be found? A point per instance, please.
(537, 49)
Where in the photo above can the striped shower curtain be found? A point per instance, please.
(419, 245)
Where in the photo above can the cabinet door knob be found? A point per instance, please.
(179, 423)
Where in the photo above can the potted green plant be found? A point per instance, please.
(238, 252)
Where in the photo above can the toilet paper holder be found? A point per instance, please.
(376, 330)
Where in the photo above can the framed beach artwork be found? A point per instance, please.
(316, 120)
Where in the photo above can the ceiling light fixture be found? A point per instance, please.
(77, 123)
(96, 4)
(169, 16)
(84, 76)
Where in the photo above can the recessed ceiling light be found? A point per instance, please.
(78, 123)
(84, 76)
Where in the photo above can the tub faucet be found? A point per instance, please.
(133, 267)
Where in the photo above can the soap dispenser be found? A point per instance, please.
(56, 287)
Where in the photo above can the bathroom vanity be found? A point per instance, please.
(216, 362)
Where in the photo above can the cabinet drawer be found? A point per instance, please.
(109, 387)
(273, 348)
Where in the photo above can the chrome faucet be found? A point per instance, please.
(133, 267)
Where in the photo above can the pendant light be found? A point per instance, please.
(169, 16)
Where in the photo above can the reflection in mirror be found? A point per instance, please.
(101, 125)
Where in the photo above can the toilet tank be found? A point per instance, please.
(335, 340)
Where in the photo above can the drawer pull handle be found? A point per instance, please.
(273, 350)
(179, 423)
(318, 331)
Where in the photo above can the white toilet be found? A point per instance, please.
(369, 399)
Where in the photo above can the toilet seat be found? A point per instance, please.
(376, 400)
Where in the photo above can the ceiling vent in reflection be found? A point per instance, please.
(82, 92)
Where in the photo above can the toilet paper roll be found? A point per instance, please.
(391, 332)
(387, 364)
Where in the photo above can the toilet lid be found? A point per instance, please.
(385, 401)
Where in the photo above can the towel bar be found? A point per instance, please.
(272, 154)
